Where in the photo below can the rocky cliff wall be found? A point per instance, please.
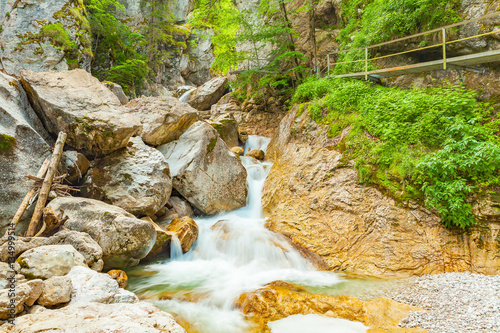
(320, 206)
(42, 35)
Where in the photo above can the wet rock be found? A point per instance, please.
(49, 260)
(81, 241)
(75, 102)
(117, 90)
(90, 286)
(162, 243)
(75, 166)
(281, 299)
(186, 230)
(180, 206)
(23, 148)
(120, 277)
(94, 317)
(163, 119)
(135, 178)
(311, 198)
(208, 94)
(257, 154)
(243, 136)
(124, 239)
(227, 128)
(56, 290)
(238, 151)
(205, 171)
(27, 45)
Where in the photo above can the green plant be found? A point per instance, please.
(434, 145)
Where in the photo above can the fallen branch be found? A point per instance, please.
(24, 204)
(45, 189)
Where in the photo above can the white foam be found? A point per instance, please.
(313, 323)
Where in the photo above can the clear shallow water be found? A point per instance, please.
(234, 254)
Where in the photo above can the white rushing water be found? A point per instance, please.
(186, 95)
(234, 254)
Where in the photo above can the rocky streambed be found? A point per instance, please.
(178, 198)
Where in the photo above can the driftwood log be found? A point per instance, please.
(47, 183)
(26, 201)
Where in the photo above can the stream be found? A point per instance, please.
(235, 254)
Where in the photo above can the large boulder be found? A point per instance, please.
(280, 299)
(311, 197)
(75, 102)
(205, 171)
(164, 119)
(44, 35)
(96, 317)
(23, 148)
(208, 94)
(49, 260)
(227, 127)
(124, 239)
(81, 241)
(117, 90)
(135, 178)
(90, 286)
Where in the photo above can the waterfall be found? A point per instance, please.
(234, 254)
(175, 248)
(186, 95)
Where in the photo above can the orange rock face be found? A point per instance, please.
(281, 299)
(186, 230)
(320, 206)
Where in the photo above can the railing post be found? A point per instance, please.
(444, 48)
(328, 64)
(366, 63)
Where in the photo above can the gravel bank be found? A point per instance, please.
(455, 302)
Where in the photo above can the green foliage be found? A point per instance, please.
(115, 46)
(224, 20)
(433, 145)
(59, 35)
(162, 36)
(374, 21)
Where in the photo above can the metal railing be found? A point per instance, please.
(443, 44)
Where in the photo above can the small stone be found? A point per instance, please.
(56, 290)
(120, 277)
(238, 151)
(257, 154)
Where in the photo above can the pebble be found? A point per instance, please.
(454, 302)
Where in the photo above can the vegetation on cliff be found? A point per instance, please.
(437, 145)
(368, 22)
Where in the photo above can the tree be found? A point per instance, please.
(114, 46)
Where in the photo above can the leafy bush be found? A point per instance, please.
(434, 145)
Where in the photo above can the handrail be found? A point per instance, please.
(421, 33)
(443, 43)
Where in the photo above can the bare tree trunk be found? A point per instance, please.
(47, 183)
(312, 35)
(291, 46)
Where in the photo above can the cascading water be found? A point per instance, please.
(234, 254)
(186, 95)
